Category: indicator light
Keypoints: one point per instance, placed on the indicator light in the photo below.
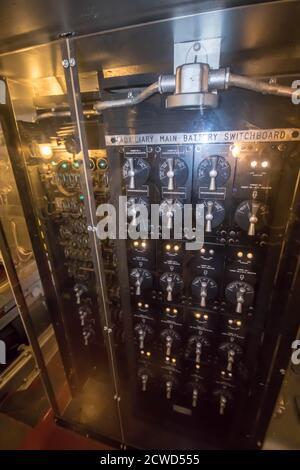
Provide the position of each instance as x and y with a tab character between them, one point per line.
175	311
144	244
239	323
253	164
45	150
265	164
205	317
211	252
140	304
168	247
173	360
235	150
249	255
81	197
146	306
148	353
135	243
176	247
202	251
240	254
102	164
168	310
197	315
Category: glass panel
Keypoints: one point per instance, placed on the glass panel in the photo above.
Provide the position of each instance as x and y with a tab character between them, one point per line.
51	181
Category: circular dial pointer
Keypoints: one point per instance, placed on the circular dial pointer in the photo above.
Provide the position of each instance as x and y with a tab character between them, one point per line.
173	173
135	172
213	172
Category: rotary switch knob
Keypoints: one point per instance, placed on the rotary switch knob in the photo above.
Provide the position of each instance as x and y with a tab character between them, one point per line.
171	339
251	216
168	208
144	377
143	333
170	384
196	345
195	389
204	288
214	214
136	207
171	284
214	172
135	172
141	279
230	352
173	173
224	398
240	294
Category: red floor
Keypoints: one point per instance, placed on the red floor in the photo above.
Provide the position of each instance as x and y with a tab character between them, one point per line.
48	436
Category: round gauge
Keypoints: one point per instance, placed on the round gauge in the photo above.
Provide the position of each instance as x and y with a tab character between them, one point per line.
92	164
240	294
213	172
251	216
141	279
171	283
102	164
135	172
224	349
173	173
214	214
204	288
64	165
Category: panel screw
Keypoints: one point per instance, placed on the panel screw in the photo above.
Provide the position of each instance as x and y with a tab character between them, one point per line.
65	63
72	62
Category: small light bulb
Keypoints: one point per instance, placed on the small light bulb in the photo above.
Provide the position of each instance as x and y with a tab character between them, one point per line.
239	323
46	150
140	304
240	254
253	163
142	352
144	244
173	360
175	311
197	366
146	306
265	164
167	358
135	243
222	373
211	252
205	317
168	247
168	310
176	247
230	322
197	315
148	353
235	150
249	255
202	251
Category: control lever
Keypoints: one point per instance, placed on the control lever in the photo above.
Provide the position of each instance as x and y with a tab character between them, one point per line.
169	387
240	299
138	284
169	342
223	403
198	352
142	335
253	218
203	293
83	314
195	397
169	289
79	289
170	174
213	174
209	216
144	379
131	173
230	360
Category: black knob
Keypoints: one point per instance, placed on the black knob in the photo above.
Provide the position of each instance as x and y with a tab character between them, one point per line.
173	173
240	294
251	216
204	289
141	279
135	172
213	172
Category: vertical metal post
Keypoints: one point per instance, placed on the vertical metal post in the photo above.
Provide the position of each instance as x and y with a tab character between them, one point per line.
69	62
26	319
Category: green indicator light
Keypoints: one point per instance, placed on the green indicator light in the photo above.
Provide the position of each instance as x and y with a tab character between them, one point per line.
81	197
64	166
102	164
76	164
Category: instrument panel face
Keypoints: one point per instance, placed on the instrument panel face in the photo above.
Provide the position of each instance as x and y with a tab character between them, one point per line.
193	311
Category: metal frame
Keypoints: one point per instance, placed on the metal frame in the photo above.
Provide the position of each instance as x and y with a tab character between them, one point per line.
69	62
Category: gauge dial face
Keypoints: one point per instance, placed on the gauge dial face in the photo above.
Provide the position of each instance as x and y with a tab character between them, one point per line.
214	163
234	287
226	347
135	172
174	168
217	211
202	282
171	278
245	209
143	275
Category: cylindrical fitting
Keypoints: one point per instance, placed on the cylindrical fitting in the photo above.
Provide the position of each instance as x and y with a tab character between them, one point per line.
192	78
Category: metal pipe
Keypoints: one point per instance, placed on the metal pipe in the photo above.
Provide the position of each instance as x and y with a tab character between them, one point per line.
259	86
131	100
50	114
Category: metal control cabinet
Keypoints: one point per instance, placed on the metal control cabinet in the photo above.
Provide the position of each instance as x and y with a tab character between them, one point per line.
161	346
